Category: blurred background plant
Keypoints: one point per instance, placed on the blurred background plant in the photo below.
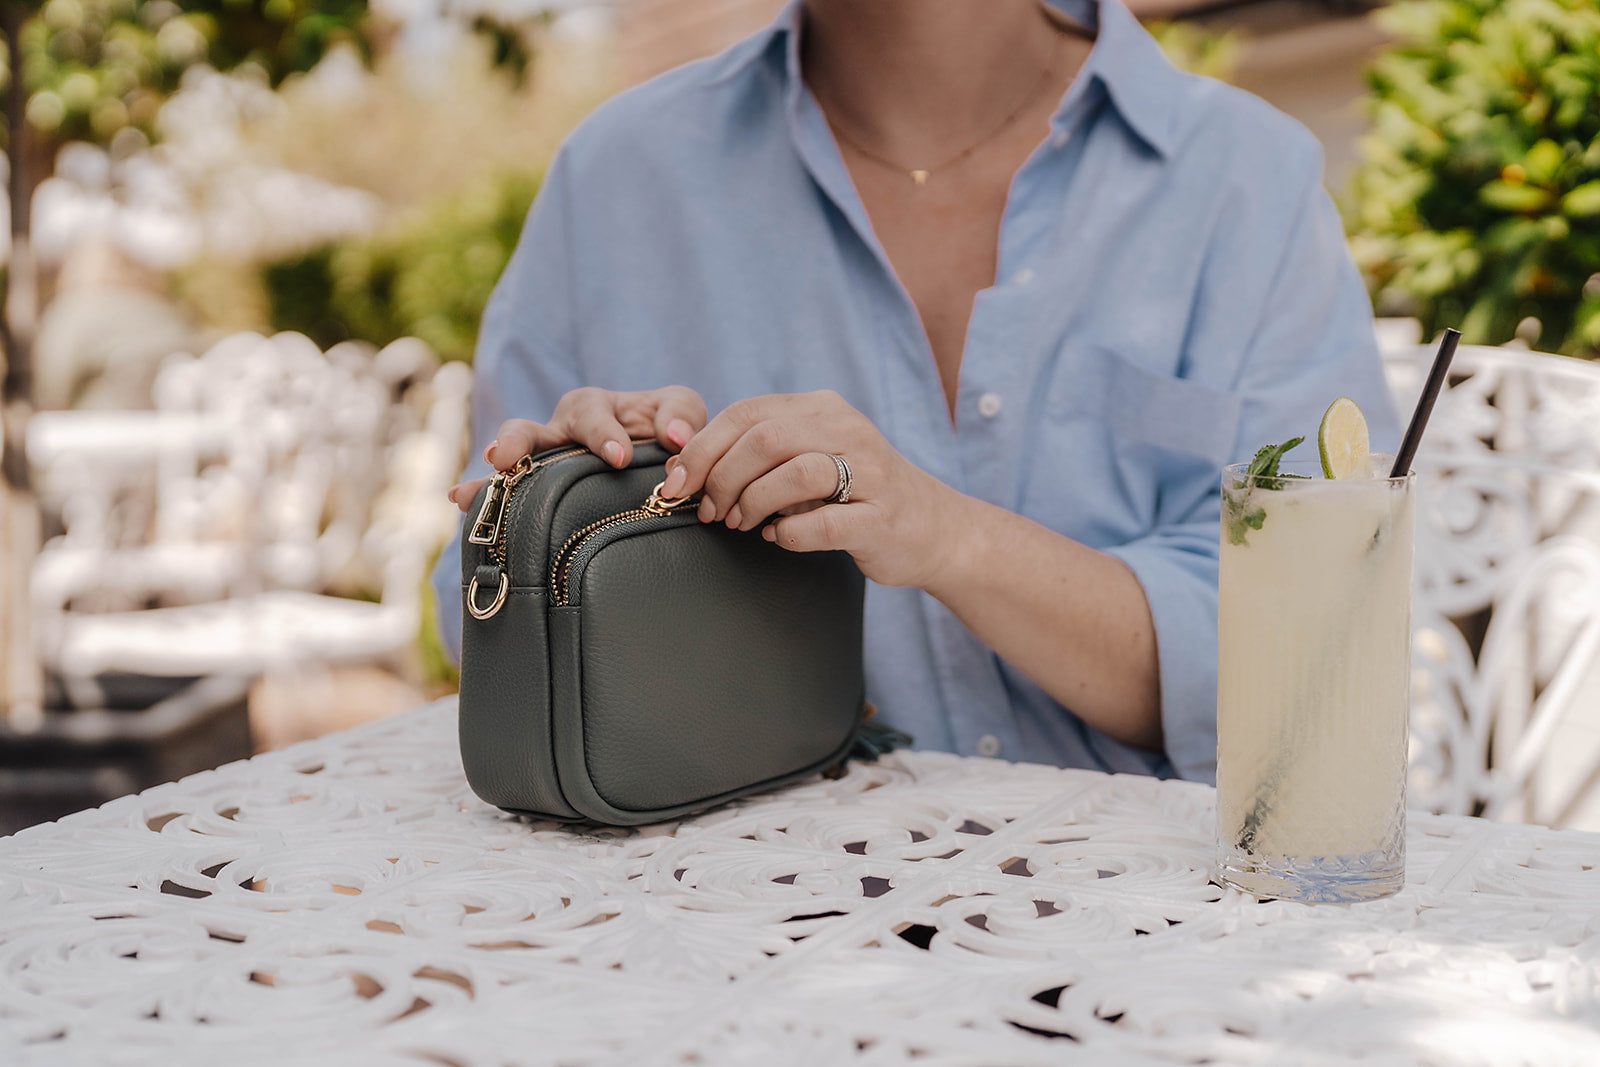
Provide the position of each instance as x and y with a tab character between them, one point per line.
429	276
1191	47
92	68
98	71
1477	203
474	136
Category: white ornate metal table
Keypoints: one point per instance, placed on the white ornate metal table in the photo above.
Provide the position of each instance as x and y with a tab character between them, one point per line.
349	901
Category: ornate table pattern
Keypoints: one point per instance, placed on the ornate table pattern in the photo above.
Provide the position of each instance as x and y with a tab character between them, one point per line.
348	900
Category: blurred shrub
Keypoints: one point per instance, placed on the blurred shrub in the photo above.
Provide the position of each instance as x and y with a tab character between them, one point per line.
429	276
93	67
1197	50
1477	203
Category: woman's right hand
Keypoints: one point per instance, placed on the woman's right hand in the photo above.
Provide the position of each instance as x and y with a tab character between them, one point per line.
600	420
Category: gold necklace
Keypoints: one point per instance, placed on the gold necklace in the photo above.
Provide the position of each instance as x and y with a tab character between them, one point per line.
921	175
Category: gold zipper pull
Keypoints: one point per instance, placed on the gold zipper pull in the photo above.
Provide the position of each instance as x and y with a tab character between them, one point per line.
525	466
656	504
486	527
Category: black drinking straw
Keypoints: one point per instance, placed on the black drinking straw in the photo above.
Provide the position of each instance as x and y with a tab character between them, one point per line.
1430	393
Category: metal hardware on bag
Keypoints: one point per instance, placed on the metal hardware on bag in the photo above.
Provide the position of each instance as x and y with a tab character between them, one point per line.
489	528
656	504
495	606
486	527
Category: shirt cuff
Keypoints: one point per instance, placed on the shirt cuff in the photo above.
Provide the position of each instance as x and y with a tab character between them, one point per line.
1181	588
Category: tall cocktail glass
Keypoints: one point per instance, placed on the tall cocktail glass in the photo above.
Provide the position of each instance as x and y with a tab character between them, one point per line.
1313	684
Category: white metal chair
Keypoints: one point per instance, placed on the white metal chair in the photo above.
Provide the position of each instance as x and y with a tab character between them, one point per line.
1507	606
326	480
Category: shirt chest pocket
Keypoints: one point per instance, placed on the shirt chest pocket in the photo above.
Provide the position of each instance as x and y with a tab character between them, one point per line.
1134	449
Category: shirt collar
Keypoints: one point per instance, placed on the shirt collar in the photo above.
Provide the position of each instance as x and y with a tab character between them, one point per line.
1142	84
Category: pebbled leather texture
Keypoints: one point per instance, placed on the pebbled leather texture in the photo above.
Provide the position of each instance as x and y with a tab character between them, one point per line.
711	662
695	665
505	708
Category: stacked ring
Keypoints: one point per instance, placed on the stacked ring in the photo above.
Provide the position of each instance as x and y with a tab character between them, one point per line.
841	493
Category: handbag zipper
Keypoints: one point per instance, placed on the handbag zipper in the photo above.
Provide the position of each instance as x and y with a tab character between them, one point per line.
489	528
561	568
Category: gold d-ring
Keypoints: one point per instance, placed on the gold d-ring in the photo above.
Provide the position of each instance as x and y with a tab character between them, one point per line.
499	598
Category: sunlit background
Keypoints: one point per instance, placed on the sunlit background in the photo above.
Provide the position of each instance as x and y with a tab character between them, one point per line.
242	307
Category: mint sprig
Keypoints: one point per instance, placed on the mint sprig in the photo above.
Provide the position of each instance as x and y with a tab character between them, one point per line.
1263	470
1238	516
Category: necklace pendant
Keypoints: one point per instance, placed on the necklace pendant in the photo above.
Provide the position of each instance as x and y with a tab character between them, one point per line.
920	177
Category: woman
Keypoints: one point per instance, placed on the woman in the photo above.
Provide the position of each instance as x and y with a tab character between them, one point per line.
1033	284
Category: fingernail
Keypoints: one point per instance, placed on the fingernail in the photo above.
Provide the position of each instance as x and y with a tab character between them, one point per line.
613	453
675	479
679	432
708	510
769	532
488	451
450	494
734	516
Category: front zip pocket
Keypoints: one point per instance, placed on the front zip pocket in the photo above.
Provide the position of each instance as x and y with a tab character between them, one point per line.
582	546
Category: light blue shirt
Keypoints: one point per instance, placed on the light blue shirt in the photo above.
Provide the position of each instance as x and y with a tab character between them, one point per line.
1174	291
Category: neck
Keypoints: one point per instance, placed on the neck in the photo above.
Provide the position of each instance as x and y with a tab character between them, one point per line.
917	75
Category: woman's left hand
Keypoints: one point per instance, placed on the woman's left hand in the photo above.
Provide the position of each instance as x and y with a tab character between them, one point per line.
771	456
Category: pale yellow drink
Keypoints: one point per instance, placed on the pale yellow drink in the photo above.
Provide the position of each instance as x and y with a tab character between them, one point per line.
1313	628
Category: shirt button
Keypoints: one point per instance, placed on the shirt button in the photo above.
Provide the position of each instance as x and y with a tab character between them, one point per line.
989	405
988	745
1023	276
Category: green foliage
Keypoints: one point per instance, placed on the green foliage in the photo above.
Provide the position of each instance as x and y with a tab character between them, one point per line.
1263	467
429	277
1477	204
508	47
1238	517
93	67
1197	50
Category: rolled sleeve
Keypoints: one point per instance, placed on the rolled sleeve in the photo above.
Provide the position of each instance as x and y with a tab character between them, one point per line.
525	359
1178	569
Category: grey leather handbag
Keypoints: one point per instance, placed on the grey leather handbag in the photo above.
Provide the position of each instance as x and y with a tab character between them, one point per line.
623	662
